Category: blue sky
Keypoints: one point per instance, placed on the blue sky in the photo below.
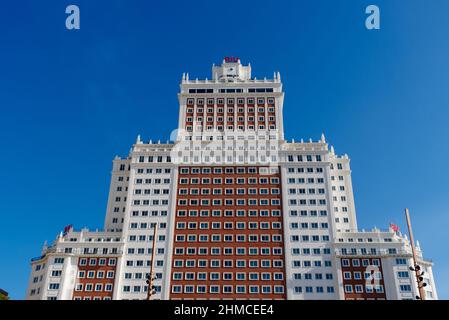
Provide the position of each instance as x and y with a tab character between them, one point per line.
72	100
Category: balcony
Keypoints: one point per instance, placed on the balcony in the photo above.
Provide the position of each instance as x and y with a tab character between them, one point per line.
369	253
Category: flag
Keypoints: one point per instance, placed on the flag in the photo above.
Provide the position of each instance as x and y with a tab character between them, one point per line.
394	227
67	229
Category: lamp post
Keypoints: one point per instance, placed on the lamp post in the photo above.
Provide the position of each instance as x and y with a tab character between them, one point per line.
151	277
416	268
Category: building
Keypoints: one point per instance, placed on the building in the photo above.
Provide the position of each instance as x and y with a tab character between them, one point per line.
4	295
240	213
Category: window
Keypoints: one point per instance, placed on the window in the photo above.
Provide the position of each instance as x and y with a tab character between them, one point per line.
405	288
56	273
227	289
214	289
379	288
53	286
176	289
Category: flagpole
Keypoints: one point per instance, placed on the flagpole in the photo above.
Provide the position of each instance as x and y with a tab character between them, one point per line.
416	268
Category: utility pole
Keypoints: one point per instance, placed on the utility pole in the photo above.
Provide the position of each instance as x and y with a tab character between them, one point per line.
152	276
416	268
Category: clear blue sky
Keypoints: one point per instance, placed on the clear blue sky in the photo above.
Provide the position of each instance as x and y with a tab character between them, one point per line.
71	101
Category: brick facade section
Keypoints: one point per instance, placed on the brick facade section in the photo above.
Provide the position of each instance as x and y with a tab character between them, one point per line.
273	183
365	264
109	266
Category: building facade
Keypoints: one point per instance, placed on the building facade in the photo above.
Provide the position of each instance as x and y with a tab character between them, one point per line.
240	212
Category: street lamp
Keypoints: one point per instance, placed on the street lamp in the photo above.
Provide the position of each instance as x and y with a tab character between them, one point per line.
152	276
416	268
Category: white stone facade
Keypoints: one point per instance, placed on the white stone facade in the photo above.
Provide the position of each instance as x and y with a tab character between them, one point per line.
230	120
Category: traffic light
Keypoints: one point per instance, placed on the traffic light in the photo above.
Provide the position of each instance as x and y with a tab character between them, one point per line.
415	268
150	278
153	289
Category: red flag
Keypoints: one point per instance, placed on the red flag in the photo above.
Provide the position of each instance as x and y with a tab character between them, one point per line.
67	229
394	227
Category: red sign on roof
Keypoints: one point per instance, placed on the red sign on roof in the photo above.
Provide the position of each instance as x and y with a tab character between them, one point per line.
231	59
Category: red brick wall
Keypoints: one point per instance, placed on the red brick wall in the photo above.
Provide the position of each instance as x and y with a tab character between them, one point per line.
236	114
234	219
352	268
84	293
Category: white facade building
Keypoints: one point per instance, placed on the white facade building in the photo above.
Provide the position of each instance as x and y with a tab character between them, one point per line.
241	213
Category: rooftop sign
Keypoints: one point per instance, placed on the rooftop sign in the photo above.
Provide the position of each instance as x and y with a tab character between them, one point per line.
231	59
